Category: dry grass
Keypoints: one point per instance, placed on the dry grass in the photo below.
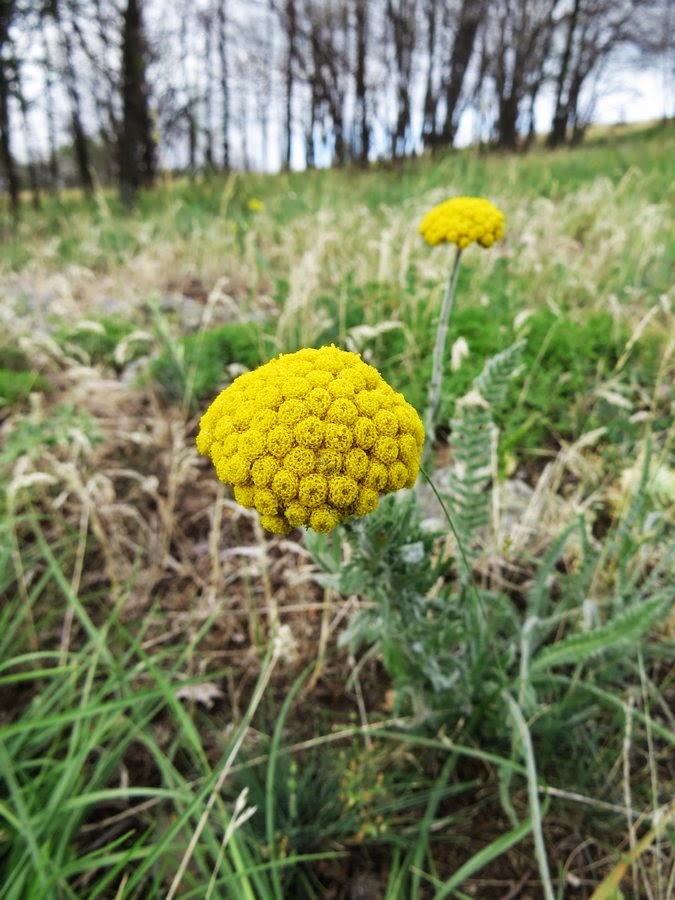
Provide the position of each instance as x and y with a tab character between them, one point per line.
140	524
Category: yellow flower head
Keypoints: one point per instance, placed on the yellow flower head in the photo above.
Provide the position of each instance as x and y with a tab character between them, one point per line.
255	205
462	221
312	438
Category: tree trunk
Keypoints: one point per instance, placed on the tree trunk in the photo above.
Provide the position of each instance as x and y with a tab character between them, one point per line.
192	130
524	38
136	142
224	89
243	121
531	130
8	162
292	37
31	168
189	110
470	17
361	124
559	124
208	94
317	90
402	22
80	146
6	78
578	128
54	173
507	121
310	156
430	98
340	146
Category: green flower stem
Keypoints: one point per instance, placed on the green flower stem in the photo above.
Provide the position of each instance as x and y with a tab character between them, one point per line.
439	351
471	599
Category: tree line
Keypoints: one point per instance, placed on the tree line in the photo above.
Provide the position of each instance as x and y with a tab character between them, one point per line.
113	90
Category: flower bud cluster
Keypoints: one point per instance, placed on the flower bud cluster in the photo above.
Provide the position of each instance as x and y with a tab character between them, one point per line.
312	438
462	221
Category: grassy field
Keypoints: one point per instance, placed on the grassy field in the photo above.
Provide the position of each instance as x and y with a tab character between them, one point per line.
469	693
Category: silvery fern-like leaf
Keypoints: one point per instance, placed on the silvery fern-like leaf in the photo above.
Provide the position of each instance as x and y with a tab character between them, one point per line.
473	445
493	382
622	631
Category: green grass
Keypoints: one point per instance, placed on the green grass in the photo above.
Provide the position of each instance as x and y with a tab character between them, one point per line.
98	340
412	707
16	386
197	363
17	378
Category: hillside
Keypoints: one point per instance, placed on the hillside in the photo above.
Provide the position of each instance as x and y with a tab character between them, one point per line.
467	692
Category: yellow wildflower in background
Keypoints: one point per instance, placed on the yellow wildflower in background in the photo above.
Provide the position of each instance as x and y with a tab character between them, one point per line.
312	438
462	221
255	205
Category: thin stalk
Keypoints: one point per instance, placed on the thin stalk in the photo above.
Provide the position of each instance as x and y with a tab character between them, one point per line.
271	778
609	886
474	606
653	774
533	795
627	793
439	353
530	625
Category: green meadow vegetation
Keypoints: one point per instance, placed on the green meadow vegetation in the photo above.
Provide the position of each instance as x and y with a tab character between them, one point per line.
468	692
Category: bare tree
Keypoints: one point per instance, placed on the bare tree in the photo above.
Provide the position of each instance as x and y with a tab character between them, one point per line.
361	131
312	64
53	9
136	141
654	39
50	112
224	82
291	29
185	117
29	143
347	78
402	18
206	22
452	37
7	79
593	30
561	110
470	18
327	68
432	10
518	40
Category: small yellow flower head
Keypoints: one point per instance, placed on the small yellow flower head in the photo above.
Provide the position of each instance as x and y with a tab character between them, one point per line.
312	438
255	205
462	221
